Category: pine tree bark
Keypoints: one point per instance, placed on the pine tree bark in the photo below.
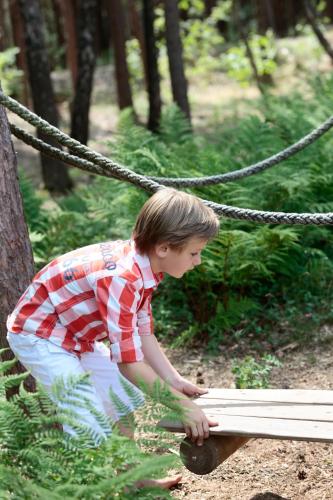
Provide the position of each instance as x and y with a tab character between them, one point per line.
86	32
58	28
6	35
118	31
67	9
55	173
16	260
175	57
153	84
137	32
2	26
19	41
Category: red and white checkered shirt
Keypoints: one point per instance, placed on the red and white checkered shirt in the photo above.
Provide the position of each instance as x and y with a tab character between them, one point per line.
96	292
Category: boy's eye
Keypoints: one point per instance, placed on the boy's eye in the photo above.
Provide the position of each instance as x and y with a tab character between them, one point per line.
194	254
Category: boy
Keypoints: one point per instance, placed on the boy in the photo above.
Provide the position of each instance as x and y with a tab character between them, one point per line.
104	291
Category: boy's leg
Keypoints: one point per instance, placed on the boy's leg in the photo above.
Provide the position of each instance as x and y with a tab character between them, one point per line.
47	362
106	377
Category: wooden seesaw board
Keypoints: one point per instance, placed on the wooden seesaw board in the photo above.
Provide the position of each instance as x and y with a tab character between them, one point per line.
303	415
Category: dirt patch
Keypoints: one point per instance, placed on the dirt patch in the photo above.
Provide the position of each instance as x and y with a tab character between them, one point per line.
265	469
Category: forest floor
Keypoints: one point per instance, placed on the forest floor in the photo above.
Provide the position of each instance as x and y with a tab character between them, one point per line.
266	469
262	469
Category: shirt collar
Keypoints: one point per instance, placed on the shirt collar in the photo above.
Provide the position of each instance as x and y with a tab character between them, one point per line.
150	279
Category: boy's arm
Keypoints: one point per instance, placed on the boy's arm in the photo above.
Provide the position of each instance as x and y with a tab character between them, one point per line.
157	359
196	424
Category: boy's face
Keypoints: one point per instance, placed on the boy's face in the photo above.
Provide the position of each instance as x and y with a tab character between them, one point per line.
176	263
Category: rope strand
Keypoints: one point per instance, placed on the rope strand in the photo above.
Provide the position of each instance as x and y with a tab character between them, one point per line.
210	180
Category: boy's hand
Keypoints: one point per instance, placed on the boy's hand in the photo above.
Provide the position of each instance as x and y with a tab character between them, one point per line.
187	388
196	424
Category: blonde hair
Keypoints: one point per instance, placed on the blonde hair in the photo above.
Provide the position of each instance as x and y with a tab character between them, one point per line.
173	217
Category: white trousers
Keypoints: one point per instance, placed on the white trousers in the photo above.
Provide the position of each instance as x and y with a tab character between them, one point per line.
47	362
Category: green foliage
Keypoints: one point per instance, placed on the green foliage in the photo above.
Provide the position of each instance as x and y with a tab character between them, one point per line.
252	374
37	460
237	64
10	76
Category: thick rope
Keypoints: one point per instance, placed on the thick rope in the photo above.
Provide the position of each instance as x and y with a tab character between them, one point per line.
251	169
123	173
59	154
119	171
186	181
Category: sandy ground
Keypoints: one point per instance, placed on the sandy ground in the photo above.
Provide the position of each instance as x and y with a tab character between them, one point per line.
266	469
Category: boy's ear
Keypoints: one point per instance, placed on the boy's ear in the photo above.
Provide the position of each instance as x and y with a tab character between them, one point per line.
161	250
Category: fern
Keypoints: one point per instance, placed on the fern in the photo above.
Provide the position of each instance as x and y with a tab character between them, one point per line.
37	460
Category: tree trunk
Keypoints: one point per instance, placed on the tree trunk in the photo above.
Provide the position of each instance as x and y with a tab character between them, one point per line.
55	173
265	15
67	9
310	15
19	41
175	56
58	29
118	30
329	10
137	32
16	260
86	30
103	35
3	43
153	84
209	6
6	35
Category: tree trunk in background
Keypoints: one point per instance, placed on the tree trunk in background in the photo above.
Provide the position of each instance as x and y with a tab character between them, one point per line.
3	43
16	260
175	56
279	15
6	38
19	41
67	9
55	173
154	93
329	10
86	31
118	31
137	32
59	29
209	6
265	15
103	35
310	14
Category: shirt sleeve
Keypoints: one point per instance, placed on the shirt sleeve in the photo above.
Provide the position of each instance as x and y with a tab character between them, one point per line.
118	301
145	317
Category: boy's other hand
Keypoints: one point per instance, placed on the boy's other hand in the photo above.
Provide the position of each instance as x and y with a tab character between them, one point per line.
196	423
186	387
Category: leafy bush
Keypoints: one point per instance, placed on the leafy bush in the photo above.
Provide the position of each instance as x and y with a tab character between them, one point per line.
238	66
252	374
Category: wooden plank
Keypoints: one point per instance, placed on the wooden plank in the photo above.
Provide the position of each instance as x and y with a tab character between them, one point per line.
254	427
266	409
305	396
